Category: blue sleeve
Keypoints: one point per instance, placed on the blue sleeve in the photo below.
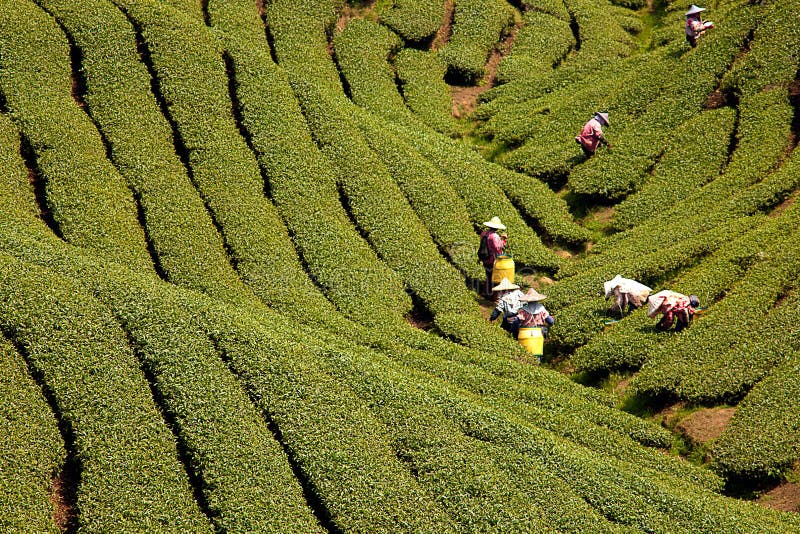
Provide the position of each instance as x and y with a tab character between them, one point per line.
549	320
494	314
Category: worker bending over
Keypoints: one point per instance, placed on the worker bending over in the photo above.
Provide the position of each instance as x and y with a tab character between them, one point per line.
695	26
508	305
492	245
627	293
676	308
532	313
591	135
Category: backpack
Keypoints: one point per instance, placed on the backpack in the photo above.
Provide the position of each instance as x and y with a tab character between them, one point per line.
483	249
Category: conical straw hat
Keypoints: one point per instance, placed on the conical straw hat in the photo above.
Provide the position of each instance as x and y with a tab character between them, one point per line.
505	285
603	116
532	296
494	222
694	9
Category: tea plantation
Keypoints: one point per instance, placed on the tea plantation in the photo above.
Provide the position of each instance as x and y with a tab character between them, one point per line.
239	276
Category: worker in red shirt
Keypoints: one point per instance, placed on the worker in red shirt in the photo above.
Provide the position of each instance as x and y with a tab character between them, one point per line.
676	308
591	135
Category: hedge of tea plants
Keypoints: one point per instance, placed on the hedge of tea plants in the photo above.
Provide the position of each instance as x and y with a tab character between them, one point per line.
478	26
88	199
33	451
188	249
126	457
421	80
413	20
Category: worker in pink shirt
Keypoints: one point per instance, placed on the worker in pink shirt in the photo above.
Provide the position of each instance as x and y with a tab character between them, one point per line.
491	246
592	134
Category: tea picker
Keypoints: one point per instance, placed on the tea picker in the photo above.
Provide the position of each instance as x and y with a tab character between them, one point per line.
676	308
695	26
591	135
491	246
508	304
627	293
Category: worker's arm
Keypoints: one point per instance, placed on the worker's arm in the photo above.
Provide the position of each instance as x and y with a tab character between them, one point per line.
494	315
549	320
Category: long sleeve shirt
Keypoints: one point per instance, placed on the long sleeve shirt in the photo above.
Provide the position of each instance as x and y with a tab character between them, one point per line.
496	245
508	305
591	135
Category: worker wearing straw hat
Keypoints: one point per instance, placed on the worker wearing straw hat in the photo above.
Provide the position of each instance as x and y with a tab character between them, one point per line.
695	26
532	313
492	246
591	135
508	304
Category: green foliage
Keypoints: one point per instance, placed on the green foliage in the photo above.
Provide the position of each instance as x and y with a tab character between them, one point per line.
187	246
88	199
542	42
421	76
129	471
478	26
33	451
686	164
362	52
303	183
186	59
762	438
299	33
413	20
433	199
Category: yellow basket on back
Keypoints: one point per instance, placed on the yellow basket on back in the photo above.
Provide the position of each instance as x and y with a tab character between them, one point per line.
503	268
532	339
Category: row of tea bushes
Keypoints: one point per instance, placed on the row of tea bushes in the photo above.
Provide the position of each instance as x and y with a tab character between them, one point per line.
541	44
343	459
689	375
299	33
88	199
190	73
303	185
686	164
421	79
602	39
478	26
382	212
429	193
363	49
188	249
630	494
33	450
16	191
762	438
413	20
127	463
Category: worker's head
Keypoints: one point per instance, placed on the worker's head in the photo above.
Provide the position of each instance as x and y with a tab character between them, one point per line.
504	287
694	11
601	116
495	224
694	302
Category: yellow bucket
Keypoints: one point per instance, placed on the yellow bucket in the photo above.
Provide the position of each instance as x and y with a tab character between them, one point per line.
532	339
503	268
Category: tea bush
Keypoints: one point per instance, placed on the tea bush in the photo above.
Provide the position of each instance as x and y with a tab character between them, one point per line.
129	471
187	246
421	79
478	26
413	20
33	451
90	202
186	59
762	438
